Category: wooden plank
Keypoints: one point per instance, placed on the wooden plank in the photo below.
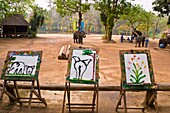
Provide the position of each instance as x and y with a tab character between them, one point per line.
160	87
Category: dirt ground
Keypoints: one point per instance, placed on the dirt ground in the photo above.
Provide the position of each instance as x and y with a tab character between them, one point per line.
53	72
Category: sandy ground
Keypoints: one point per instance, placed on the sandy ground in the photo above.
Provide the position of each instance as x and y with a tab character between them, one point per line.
53	72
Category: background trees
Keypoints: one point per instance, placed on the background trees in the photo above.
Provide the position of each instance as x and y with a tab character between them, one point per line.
9	7
110	11
99	16
163	7
69	7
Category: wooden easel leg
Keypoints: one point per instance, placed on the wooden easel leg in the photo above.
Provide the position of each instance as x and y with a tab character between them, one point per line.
38	86
68	94
2	92
119	101
125	106
97	103
156	103
17	92
150	100
64	98
39	94
94	97
30	98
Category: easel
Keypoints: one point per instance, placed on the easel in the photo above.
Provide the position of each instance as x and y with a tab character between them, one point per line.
15	77
149	88
93	81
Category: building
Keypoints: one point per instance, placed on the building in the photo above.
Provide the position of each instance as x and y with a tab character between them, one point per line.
14	26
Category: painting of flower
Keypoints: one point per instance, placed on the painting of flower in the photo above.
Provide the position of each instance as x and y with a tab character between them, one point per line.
137	70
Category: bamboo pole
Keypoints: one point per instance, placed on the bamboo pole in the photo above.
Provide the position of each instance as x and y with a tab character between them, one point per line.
160	87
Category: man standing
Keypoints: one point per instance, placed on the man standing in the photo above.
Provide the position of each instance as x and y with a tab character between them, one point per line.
121	39
146	41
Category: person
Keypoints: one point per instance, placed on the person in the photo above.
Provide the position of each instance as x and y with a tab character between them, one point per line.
121	39
146	42
128	39
132	38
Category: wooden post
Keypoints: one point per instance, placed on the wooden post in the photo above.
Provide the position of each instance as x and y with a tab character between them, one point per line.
11	90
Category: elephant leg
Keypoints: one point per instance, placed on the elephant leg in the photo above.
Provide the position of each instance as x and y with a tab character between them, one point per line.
136	44
81	41
139	43
143	43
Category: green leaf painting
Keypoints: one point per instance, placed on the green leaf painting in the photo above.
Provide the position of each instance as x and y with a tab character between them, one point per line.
137	71
87	52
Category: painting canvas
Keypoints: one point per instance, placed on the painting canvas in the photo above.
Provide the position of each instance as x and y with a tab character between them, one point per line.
137	70
22	66
83	65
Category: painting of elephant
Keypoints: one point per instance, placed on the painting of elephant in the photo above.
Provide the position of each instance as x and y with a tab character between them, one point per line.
78	36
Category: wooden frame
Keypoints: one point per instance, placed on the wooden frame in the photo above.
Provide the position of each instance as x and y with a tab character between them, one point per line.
72	77
137	82
17	68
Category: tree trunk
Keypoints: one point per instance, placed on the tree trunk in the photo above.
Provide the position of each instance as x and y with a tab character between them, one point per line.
156	26
110	24
80	19
106	31
109	35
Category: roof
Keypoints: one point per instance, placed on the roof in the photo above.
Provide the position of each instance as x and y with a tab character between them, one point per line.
15	20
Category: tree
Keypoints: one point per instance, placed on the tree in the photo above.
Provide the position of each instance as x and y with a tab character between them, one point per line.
134	15
9	7
163	7
110	11
69	7
37	19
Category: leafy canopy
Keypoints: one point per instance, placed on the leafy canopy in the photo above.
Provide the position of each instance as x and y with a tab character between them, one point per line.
69	7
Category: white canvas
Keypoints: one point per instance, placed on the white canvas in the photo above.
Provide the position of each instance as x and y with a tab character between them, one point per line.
83	66
23	65
142	75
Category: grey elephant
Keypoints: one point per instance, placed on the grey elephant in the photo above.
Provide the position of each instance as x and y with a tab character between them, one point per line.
164	41
139	38
78	36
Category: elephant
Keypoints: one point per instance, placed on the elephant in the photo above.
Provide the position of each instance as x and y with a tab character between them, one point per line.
136	33
164	41
139	38
78	36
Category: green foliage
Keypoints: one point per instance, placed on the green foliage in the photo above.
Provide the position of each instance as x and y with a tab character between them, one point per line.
69	7
36	20
10	7
110	10
163	7
134	15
